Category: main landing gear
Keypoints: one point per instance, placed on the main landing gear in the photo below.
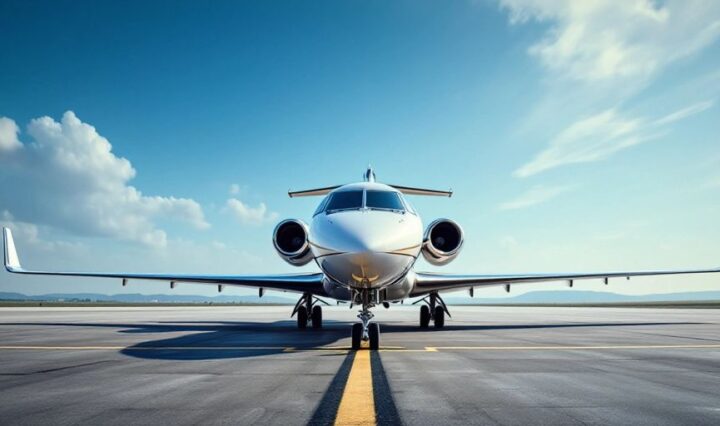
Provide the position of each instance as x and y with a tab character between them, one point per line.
365	330
308	310
434	309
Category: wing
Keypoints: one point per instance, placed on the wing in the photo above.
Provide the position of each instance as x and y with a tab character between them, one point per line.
302	283
428	282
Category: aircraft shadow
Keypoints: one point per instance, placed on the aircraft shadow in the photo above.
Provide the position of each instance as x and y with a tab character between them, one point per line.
203	340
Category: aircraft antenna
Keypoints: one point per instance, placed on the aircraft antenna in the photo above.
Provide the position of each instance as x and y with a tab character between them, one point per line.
369	174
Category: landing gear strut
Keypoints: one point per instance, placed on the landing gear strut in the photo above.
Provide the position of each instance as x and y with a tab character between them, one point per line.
434	309
365	330
308	309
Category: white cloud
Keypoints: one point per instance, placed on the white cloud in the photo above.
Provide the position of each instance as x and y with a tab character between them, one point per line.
599	136
234	189
712	183
250	215
594	40
535	195
684	113
8	135
69	178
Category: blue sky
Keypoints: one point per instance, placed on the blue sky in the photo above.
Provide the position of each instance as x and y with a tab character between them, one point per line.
577	136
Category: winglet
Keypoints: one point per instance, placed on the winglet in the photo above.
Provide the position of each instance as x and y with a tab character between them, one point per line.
12	262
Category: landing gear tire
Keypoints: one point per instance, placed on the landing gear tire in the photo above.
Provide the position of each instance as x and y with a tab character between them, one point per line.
374	335
356	335
302	317
424	316
316	317
439	317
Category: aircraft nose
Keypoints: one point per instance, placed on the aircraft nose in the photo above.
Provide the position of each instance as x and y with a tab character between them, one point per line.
361	232
360	248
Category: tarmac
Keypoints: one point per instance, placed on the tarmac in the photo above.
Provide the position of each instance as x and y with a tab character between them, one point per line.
251	365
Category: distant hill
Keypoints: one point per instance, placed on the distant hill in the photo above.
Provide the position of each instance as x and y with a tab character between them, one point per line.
534	297
144	298
579	297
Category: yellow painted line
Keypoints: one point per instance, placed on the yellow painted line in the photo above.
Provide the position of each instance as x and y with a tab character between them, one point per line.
564	348
357	406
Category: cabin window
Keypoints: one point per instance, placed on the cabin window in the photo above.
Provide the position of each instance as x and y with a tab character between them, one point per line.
384	200
345	200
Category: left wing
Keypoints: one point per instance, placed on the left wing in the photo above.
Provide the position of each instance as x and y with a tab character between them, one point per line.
302	283
428	282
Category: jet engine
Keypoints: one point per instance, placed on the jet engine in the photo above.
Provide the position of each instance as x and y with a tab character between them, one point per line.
290	239
442	242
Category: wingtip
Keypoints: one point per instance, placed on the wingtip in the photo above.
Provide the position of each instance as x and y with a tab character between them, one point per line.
12	262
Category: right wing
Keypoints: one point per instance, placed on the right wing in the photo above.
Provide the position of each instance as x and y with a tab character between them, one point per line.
301	283
427	282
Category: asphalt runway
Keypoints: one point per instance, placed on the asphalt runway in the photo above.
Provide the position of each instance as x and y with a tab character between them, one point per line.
250	365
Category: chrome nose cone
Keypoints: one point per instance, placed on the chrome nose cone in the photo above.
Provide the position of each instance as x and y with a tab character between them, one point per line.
365	248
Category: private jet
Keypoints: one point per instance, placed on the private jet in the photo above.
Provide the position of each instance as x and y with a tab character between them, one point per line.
365	237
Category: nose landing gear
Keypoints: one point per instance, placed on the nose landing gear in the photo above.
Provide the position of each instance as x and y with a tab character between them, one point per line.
366	330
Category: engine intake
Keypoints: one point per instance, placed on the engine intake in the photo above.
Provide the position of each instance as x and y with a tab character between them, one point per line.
443	241
290	239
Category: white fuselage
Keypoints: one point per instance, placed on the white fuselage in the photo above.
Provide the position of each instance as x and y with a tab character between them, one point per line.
366	247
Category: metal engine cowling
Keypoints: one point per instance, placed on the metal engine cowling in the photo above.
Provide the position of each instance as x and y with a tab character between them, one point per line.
290	239
442	242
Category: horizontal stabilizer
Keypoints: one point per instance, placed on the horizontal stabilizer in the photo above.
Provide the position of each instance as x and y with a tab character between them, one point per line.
422	191
312	192
404	189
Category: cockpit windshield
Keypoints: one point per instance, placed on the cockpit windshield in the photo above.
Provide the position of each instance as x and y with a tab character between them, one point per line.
369	199
384	200
345	200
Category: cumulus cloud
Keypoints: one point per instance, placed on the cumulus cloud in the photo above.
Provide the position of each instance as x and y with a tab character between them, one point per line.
595	40
599	136
249	215
534	196
69	178
9	135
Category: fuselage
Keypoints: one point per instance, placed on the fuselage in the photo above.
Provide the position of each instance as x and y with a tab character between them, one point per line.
366	235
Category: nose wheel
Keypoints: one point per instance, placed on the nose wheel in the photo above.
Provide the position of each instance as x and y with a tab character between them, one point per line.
365	331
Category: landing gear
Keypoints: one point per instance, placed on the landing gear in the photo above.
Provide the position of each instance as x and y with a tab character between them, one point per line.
308	309
425	316
302	317
434	309
374	336
365	330
317	316
439	317
356	335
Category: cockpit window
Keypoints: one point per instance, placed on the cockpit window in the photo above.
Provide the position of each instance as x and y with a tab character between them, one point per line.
345	200
321	206
385	200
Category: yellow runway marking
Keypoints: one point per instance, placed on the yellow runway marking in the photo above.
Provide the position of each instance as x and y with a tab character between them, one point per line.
357	406
347	349
564	348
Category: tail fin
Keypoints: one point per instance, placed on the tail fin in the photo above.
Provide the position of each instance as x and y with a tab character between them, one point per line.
12	262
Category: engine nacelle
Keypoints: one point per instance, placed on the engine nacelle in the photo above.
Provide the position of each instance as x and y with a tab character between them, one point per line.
290	239
442	242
